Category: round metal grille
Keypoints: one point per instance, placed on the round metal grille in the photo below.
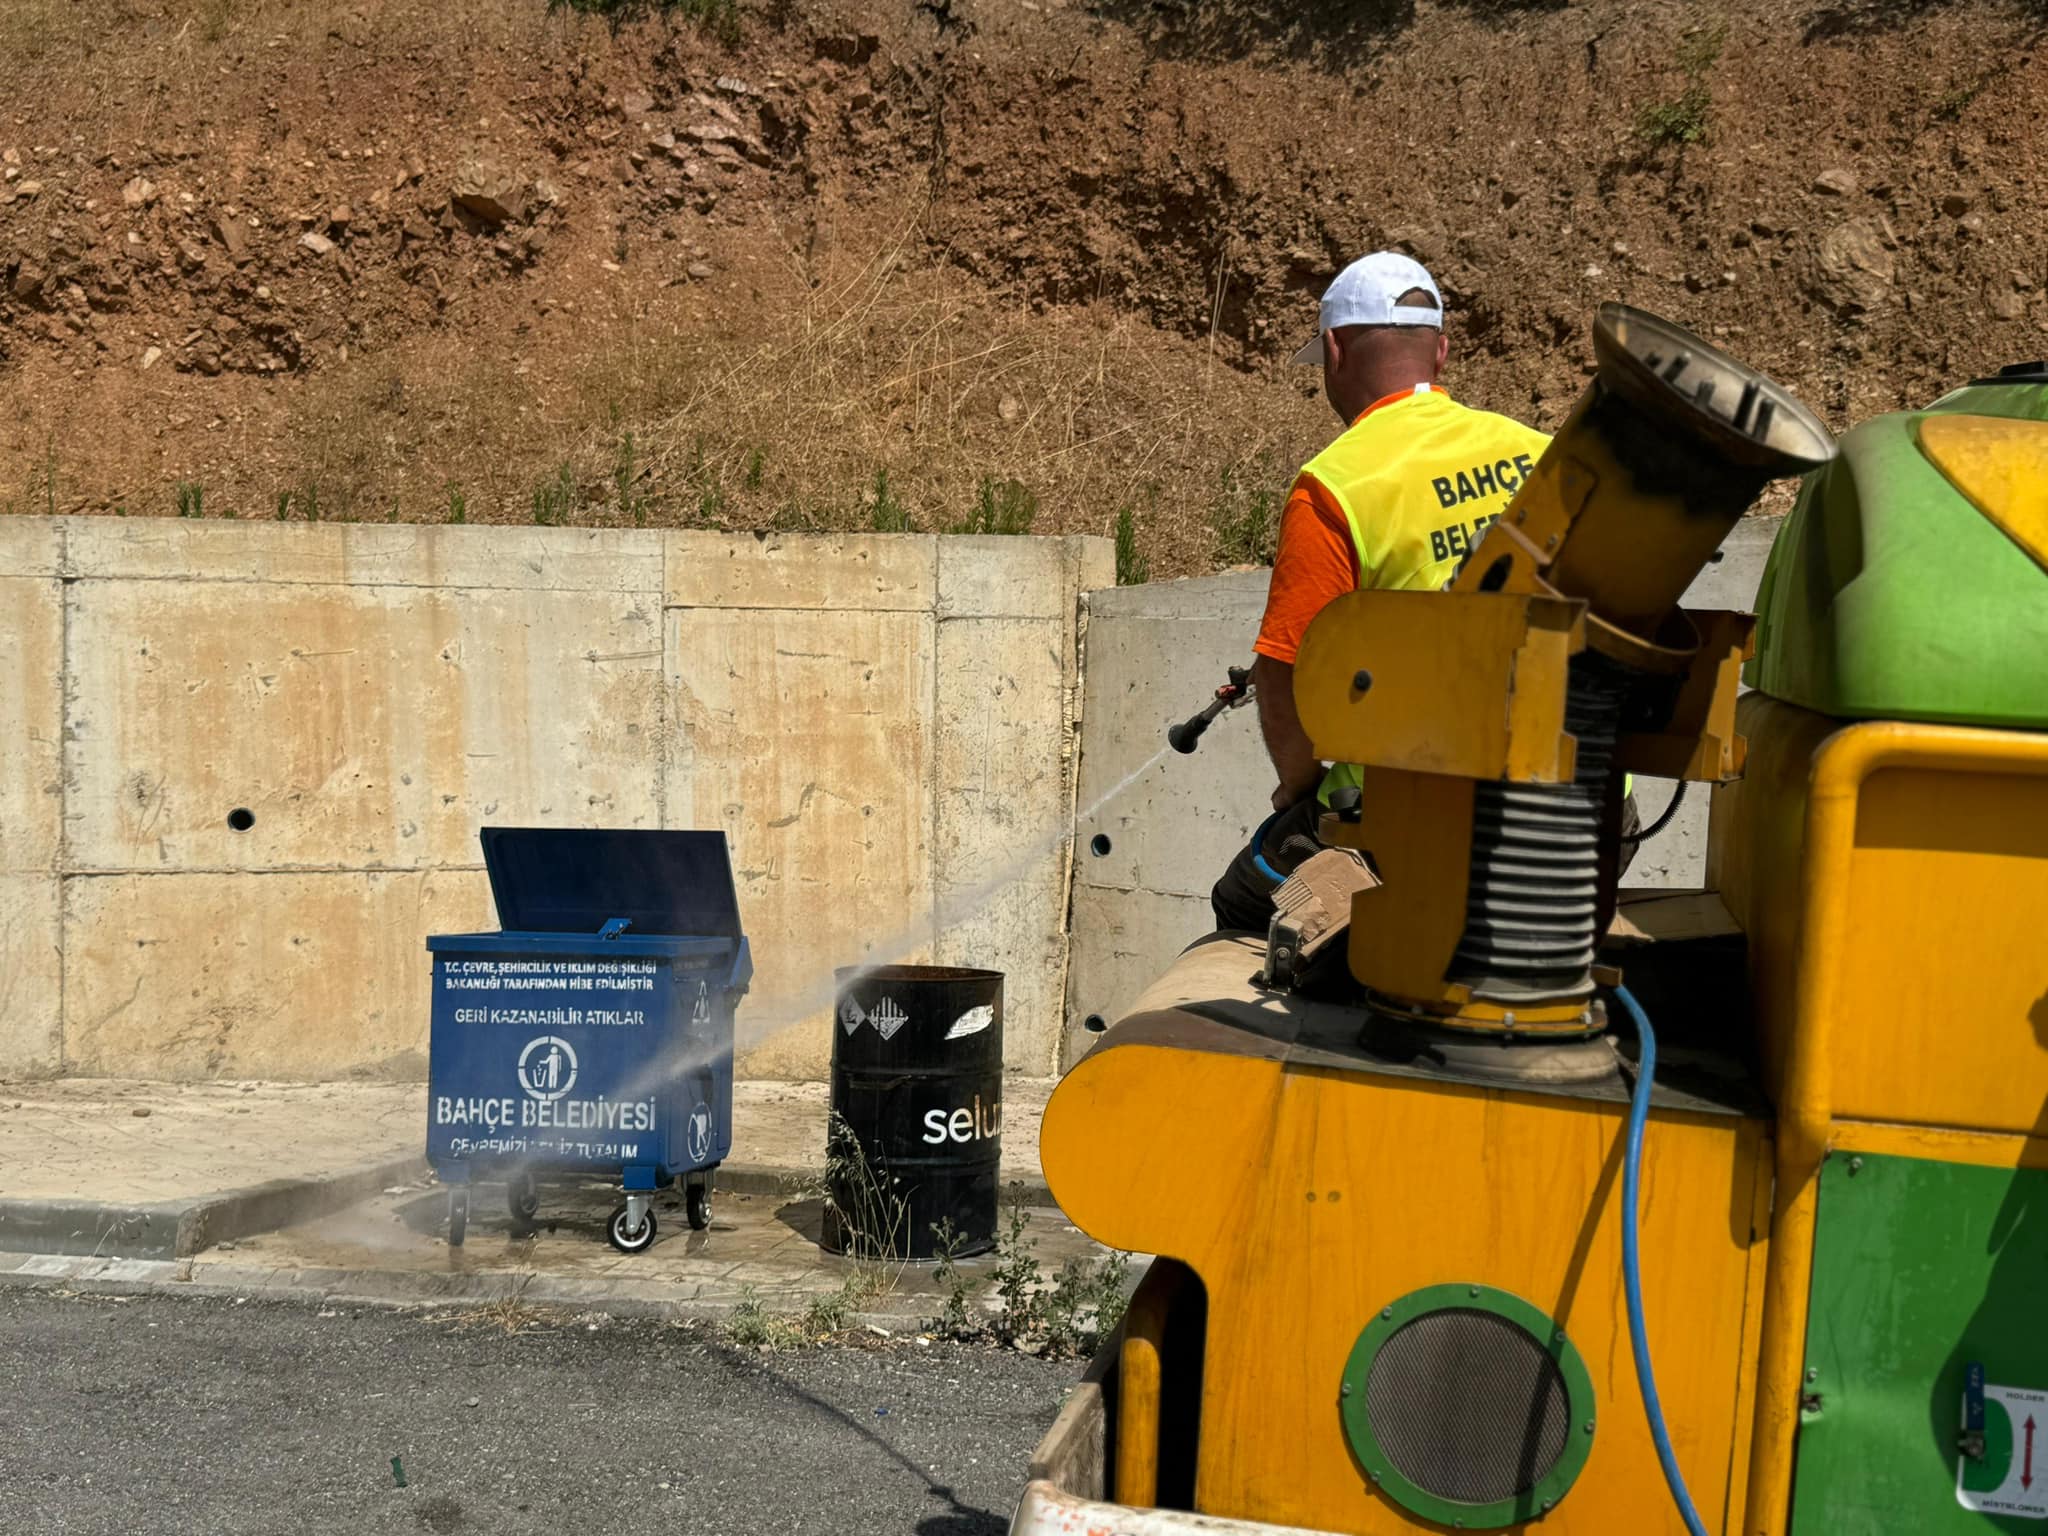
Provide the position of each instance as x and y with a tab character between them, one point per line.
1468	1406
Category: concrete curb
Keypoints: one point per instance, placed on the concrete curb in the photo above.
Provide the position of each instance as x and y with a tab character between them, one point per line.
176	1229
179	1229
775	1179
357	1289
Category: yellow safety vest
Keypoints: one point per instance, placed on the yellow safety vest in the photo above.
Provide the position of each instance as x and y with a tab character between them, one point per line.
1418	478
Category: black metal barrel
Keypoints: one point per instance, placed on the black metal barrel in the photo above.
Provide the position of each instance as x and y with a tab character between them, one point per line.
915	1142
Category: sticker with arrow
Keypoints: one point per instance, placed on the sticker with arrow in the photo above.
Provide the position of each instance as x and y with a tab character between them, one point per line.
2004	1466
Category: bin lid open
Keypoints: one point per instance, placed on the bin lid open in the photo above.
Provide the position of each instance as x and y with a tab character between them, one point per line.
576	879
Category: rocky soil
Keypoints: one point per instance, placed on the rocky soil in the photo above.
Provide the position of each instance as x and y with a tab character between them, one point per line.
828	266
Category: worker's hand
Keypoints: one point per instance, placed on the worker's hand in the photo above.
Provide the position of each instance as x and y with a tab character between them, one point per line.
1287	796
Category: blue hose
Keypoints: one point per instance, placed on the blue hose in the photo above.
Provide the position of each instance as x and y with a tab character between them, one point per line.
1258	850
1631	1259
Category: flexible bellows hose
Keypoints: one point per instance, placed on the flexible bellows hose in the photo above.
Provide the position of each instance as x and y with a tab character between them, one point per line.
1631	1259
1532	894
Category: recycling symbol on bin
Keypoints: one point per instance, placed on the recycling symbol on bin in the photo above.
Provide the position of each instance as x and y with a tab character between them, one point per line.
547	1068
887	1017
699	1129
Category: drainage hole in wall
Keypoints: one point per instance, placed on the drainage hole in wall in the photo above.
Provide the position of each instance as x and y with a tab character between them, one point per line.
1099	845
241	819
1095	1023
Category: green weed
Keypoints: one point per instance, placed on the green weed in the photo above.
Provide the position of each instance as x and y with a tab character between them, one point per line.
1132	568
1000	506
867	1205
757	463
827	1314
1244	516
555	498
1068	1315
710	487
1953	101
886	512
752	1326
305	501
626	480
1684	119
1016	1279
189	498
956	1288
458	504
49	475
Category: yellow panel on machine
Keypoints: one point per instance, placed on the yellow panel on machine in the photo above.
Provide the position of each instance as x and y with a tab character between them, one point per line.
1312	1187
1892	879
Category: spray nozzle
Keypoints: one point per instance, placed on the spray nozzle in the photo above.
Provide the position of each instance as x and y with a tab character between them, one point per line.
1185	736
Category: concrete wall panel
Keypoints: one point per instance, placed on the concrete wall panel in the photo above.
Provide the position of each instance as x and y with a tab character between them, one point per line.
806	736
995	576
373	694
31	546
885	571
362	726
1154	659
31	977
1003	816
1147	848
366	554
31	722
1114	953
238	975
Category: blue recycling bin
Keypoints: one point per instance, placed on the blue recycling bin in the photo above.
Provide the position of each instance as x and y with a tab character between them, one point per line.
592	1037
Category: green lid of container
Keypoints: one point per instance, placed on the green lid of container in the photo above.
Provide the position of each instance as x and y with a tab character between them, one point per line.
1911	580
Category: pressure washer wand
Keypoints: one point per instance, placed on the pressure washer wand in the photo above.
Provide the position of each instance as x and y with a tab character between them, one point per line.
1238	691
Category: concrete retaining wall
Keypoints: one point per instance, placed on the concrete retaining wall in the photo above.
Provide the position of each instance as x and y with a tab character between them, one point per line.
1145	862
878	723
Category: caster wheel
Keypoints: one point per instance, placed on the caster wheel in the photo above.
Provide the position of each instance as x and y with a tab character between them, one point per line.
458	1216
523	1200
697	1206
627	1241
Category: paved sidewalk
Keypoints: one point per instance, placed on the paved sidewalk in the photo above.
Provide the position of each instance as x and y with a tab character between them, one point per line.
391	1250
101	1167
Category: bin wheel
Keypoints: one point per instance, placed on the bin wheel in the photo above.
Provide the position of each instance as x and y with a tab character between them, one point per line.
523	1200
626	1240
697	1206
458	1216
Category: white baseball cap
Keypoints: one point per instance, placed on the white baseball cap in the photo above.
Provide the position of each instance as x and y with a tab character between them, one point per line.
1368	292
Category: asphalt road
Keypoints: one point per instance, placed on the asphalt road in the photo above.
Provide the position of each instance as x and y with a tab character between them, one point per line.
186	1415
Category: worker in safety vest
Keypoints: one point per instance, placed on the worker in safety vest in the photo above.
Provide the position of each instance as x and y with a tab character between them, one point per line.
1396	502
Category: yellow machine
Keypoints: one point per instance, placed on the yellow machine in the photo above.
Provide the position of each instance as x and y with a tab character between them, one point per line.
1418	1249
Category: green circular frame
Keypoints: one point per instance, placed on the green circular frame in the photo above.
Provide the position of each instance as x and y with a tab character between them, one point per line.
1537	1500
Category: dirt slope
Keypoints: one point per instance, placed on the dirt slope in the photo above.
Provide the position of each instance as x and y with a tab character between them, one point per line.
422	261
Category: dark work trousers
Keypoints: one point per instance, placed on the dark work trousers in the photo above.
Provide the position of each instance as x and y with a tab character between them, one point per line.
1243	898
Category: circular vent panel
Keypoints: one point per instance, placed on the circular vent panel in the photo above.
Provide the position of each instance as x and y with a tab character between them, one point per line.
1468	1406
